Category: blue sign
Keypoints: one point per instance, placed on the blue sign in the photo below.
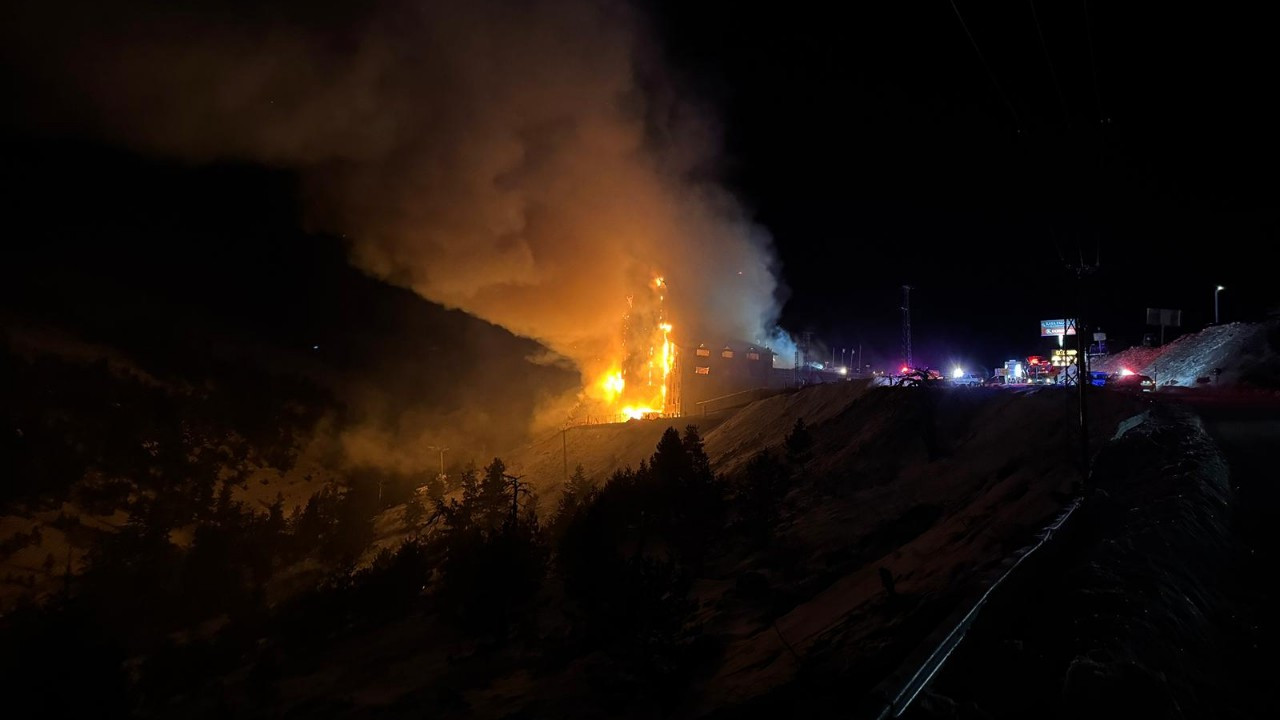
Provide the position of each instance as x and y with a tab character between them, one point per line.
1054	328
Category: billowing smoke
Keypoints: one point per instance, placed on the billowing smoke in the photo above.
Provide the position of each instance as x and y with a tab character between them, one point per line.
526	161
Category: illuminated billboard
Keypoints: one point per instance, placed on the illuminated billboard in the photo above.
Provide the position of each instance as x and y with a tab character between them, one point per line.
1057	328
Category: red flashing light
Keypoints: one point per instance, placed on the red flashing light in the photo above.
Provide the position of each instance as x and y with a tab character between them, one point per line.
905	370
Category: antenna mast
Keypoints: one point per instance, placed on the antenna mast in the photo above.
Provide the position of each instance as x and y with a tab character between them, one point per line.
906	327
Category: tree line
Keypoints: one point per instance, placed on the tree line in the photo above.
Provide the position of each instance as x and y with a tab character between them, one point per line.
615	561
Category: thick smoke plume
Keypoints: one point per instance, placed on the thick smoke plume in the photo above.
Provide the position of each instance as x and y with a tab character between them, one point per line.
525	161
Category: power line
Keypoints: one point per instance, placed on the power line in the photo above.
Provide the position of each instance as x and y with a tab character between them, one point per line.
1093	63
1066	113
906	327
1103	120
1017	122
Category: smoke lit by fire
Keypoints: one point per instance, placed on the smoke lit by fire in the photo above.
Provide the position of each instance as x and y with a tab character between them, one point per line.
529	163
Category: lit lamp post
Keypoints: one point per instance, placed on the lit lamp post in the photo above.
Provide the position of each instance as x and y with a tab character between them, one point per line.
1215	303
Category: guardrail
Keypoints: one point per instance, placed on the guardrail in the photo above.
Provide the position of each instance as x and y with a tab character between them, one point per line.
908	689
900	700
744	396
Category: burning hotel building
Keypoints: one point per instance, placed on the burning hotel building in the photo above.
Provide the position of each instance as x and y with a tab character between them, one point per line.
710	372
654	375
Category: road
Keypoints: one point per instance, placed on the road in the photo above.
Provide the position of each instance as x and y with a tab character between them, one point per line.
1247	429
1188	591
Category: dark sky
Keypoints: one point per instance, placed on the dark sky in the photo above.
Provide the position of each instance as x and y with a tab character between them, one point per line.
875	145
879	149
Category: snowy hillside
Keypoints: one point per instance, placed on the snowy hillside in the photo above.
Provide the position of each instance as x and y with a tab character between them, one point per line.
1191	359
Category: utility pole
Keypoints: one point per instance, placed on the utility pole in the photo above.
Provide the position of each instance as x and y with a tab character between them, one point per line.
66	576
803	349
1082	271
516	488
442	450
906	327
1215	304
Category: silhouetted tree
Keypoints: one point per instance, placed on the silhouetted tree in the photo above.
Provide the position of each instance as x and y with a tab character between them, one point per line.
223	506
353	529
578	492
765	482
492	565
434	488
275	517
413	512
263	681
494	503
799	443
628	557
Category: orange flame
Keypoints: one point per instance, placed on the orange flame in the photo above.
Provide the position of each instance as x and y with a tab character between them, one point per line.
636	383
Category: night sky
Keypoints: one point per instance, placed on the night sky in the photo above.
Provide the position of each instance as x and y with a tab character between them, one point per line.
873	143
878	148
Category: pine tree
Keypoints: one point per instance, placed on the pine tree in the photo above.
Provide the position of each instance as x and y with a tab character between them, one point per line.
275	516
494	500
582	487
799	443
764	484
578	492
223	505
670	460
413	512
699	463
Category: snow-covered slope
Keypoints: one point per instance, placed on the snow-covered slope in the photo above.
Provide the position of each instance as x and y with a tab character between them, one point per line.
731	437
1192	358
936	487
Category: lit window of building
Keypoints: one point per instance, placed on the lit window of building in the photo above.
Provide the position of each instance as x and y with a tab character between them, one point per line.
702	370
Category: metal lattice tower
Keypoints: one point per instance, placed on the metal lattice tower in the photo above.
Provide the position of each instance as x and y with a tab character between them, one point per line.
906	326
803	353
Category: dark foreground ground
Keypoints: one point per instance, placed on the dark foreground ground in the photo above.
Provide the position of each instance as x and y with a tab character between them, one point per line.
1158	602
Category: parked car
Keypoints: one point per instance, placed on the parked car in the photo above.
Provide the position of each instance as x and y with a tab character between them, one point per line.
969	380
1131	381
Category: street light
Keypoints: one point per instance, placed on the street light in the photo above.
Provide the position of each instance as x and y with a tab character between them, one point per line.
1215	303
442	450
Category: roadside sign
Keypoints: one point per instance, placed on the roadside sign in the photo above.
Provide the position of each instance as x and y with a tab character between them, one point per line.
1057	328
1164	317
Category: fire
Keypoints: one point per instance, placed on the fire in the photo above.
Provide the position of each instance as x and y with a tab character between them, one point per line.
639	413
613	385
637	384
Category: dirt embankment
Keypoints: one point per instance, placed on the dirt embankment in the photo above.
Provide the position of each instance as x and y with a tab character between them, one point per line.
1125	615
935	487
